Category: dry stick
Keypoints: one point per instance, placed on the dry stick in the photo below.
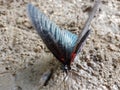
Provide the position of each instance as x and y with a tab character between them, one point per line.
88	22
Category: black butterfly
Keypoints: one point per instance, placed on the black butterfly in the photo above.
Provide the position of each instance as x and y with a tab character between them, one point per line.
63	44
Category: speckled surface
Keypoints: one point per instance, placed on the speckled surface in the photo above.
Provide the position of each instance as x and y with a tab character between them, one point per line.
24	57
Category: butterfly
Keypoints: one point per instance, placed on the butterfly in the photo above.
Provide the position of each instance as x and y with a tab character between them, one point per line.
64	44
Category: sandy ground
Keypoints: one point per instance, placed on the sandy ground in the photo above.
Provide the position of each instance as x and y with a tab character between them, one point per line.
24	57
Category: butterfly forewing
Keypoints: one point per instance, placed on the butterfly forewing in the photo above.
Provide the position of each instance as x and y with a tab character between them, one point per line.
40	23
59	42
85	32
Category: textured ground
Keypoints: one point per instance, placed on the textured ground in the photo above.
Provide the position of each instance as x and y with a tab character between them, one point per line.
24	57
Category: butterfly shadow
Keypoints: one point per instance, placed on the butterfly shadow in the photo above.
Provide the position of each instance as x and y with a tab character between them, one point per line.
35	75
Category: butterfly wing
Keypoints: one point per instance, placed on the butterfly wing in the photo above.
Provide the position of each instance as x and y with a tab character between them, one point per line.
79	45
59	42
85	32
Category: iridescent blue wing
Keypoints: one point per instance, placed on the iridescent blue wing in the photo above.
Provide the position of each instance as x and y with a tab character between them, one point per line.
59	42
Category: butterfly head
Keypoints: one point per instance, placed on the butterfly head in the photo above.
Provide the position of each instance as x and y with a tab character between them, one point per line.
66	68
